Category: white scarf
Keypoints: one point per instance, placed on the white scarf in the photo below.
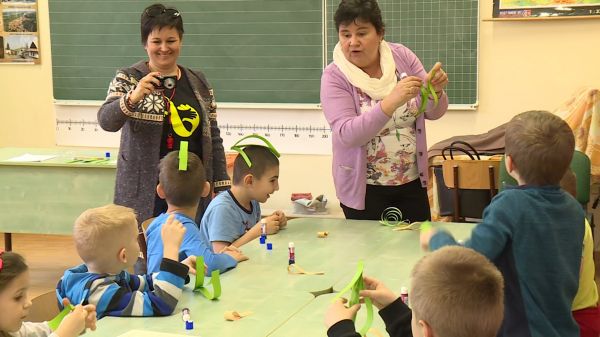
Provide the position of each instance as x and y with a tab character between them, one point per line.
376	88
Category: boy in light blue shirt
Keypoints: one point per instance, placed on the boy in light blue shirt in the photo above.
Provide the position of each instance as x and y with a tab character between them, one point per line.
231	218
183	189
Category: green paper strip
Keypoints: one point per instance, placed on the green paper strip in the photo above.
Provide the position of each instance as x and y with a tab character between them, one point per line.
348	287
215	280
425	226
355	286
183	155
426	91
55	322
365	328
88	161
243	154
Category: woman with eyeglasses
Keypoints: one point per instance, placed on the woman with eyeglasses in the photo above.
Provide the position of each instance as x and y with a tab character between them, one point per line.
371	97
157	104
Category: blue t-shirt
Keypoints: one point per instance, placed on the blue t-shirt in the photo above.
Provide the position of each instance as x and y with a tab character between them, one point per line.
192	245
226	220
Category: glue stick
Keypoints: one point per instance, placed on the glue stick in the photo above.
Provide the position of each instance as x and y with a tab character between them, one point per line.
263	227
404	295
291	249
263	231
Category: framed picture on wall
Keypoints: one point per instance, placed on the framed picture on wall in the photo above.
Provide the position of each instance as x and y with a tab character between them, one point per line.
19	33
545	8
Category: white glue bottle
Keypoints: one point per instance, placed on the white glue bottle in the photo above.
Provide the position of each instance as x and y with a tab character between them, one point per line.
404	295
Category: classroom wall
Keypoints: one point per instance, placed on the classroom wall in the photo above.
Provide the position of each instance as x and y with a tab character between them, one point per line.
26	94
523	65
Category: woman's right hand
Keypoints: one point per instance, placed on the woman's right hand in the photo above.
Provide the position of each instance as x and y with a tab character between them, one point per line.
144	87
405	90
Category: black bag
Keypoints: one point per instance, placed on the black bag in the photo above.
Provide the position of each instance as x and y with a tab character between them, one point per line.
472	201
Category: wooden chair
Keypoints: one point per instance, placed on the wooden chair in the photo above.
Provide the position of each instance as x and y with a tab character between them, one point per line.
43	308
474	185
142	237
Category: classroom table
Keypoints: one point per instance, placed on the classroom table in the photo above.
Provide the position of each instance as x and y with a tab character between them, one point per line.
46	197
284	304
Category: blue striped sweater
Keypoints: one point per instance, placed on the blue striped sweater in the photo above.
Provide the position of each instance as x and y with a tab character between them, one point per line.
125	294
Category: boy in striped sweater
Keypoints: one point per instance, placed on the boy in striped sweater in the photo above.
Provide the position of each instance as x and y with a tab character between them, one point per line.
106	240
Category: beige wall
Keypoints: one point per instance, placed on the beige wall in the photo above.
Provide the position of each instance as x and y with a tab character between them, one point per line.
26	92
523	65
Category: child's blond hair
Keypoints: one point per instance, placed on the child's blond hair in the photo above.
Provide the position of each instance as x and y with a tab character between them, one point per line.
100	232
458	292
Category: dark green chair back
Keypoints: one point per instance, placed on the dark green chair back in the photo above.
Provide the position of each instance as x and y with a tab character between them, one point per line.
581	166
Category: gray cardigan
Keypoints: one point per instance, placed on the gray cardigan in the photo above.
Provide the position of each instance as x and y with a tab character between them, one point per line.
141	133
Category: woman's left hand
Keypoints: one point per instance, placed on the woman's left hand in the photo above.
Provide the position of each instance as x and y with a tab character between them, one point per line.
439	80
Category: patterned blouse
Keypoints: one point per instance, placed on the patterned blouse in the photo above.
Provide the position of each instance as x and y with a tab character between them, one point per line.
391	155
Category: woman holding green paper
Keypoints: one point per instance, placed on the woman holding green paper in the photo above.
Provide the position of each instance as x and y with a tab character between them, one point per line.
376	97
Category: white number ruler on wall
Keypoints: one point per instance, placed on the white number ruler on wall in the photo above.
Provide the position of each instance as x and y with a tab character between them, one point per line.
292	130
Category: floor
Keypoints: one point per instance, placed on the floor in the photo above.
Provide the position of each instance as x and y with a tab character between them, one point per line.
48	256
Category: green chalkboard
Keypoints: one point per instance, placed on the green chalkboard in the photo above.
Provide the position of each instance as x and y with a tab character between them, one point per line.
251	51
436	30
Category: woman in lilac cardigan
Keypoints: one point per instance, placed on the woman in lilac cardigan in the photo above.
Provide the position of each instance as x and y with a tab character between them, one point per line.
370	95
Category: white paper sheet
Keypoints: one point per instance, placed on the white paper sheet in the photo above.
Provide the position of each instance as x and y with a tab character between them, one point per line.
30	158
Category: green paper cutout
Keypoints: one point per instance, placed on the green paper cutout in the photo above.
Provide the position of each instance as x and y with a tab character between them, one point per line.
55	322
183	155
355	286
240	148
88	160
426	91
215	280
425	226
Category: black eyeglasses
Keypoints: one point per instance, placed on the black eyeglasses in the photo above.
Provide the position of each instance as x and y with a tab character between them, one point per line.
157	11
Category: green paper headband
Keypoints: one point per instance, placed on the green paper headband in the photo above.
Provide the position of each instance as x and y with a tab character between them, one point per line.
240	147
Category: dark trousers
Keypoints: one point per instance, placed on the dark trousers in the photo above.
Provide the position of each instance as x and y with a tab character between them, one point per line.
411	199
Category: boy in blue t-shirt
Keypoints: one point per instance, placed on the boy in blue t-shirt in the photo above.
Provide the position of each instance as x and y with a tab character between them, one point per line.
532	232
183	189
231	217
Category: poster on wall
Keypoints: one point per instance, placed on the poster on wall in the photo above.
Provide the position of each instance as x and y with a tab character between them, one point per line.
19	35
546	8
